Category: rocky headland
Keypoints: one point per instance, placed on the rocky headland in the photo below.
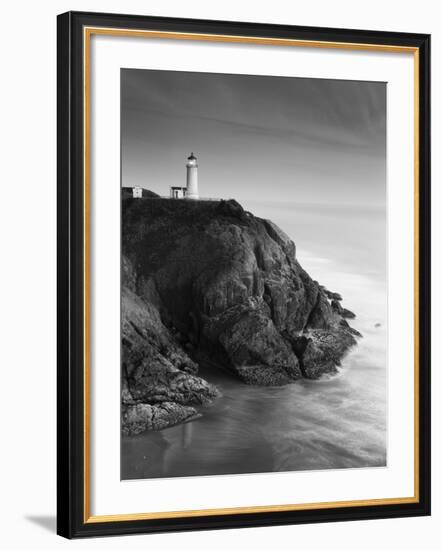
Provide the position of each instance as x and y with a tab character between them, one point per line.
209	283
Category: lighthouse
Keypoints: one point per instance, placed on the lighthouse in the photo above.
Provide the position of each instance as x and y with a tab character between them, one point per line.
192	178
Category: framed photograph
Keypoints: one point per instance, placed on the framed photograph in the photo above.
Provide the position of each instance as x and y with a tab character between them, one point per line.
243	274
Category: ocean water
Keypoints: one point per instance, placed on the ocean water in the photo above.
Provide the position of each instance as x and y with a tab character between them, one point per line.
336	422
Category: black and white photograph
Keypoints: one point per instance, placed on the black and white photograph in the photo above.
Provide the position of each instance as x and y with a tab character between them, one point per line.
221	275
254	300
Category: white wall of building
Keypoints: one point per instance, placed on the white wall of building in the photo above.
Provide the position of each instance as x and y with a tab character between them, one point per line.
192	179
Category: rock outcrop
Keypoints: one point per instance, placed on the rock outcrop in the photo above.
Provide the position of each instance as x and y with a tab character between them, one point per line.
159	382
207	282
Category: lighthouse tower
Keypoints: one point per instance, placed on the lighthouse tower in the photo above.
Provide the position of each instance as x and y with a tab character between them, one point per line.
192	177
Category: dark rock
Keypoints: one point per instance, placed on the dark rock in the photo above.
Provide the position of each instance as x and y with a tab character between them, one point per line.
321	316
263	376
155	371
325	350
206	279
141	417
336	306
230	208
343	323
251	339
347	314
332	295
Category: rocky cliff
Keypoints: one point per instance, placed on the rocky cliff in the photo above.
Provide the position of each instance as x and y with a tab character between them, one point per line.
207	282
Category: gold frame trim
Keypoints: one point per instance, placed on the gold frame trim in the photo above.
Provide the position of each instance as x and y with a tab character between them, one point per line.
87	34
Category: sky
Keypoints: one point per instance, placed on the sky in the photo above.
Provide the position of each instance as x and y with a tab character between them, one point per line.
257	138
309	154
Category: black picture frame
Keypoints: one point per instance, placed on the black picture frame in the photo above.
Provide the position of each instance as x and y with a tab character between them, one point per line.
71	391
